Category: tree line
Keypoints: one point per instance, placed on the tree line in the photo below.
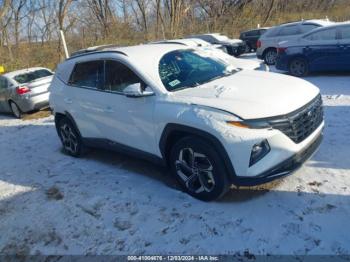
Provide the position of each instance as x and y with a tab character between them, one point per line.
29	29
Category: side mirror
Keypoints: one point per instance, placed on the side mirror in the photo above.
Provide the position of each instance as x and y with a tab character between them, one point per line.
135	90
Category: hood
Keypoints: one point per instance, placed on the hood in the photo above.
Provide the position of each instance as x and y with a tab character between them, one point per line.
252	94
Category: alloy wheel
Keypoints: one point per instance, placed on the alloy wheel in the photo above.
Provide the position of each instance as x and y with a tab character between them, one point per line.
270	57
195	170
69	139
298	67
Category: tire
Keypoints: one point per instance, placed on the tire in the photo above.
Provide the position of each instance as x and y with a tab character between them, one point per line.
298	67
70	138
270	56
199	169
248	48
16	111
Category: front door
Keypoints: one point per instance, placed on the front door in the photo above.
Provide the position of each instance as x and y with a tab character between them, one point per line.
130	119
322	50
344	45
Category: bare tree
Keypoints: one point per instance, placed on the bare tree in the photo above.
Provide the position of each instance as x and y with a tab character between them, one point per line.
102	11
17	7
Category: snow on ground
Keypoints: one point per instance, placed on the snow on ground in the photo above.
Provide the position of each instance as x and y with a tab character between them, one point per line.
107	203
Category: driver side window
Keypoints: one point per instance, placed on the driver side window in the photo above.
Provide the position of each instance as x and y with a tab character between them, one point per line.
118	77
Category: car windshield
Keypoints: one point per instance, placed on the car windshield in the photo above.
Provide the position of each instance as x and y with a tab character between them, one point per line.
31	76
187	68
221	37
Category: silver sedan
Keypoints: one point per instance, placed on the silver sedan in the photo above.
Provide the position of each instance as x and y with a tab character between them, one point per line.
25	90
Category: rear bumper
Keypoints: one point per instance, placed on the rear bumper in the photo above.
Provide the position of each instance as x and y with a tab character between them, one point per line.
235	50
29	103
282	169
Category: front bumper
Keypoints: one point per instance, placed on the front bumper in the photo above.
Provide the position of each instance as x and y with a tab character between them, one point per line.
282	169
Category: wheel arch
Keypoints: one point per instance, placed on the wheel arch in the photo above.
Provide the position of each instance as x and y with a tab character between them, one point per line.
13	101
59	116
173	132
297	56
268	49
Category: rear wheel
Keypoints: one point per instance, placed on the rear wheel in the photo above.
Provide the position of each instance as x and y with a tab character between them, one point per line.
270	57
70	138
248	48
199	169
298	67
16	111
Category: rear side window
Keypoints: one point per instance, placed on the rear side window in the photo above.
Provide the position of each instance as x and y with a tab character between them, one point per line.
3	83
262	31
88	74
32	76
329	34
307	28
119	76
252	33
289	30
345	32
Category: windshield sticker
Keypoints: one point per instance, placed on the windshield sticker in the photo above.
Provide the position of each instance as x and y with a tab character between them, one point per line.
174	83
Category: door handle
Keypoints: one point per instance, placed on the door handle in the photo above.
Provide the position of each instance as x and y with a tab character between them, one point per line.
68	101
109	110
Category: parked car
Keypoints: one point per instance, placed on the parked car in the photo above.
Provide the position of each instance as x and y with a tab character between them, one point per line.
251	37
215	51
324	49
25	90
268	42
234	47
212	125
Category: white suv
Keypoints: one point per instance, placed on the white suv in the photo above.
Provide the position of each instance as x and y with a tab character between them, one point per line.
212	124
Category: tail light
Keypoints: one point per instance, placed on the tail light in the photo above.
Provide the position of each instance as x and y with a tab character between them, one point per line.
258	44
281	50
22	90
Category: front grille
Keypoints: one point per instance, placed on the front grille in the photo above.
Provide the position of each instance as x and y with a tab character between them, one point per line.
301	123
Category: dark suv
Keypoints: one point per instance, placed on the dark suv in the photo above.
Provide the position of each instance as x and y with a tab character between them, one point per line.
251	37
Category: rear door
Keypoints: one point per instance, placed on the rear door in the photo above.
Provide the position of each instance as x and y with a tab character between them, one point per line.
344	45
322	50
85	97
4	94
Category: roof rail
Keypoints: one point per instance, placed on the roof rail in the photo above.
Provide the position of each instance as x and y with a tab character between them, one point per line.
171	42
93	49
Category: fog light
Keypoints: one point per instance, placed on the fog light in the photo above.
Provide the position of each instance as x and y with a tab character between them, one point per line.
259	150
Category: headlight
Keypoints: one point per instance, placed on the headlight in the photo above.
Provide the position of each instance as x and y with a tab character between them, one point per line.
254	124
259	151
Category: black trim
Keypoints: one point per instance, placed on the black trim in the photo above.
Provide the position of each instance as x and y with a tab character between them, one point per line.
123	149
172	128
283	169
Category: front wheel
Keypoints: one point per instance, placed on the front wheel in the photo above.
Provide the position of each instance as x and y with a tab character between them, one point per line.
270	57
70	138
199	169
298	67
